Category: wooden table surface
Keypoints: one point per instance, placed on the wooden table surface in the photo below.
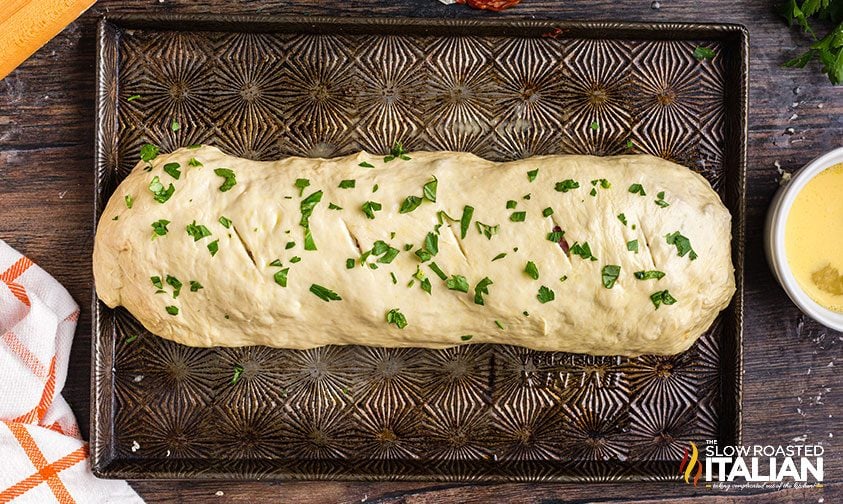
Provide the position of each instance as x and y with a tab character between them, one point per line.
792	389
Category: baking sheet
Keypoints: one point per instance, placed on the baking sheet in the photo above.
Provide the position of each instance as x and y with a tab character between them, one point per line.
264	88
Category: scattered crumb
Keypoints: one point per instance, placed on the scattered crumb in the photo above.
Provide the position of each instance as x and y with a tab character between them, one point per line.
138	378
794	104
655	5
800	439
789	131
797	90
62	194
135	446
821	500
819	105
168	453
365	498
219	493
793	117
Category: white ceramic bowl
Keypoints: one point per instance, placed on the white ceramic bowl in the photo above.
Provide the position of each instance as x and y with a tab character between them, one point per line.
774	247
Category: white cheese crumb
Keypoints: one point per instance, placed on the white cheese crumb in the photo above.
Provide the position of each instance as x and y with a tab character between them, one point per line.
135	446
138	378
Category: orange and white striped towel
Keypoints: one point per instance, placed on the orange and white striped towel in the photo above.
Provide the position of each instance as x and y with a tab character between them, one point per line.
44	458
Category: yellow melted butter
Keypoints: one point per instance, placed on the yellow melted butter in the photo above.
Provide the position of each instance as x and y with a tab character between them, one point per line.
814	238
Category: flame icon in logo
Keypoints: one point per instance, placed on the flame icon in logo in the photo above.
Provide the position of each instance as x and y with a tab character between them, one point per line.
691	461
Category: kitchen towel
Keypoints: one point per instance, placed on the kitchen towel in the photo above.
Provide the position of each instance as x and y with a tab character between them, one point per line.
44	458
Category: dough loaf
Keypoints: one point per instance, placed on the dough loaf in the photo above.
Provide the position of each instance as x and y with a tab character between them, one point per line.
242	243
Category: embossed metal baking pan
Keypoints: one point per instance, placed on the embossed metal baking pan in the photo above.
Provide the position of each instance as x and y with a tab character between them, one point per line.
264	88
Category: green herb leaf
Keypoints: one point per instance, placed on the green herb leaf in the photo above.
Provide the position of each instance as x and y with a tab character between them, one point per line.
324	293
159	227
583	250
214	247
197	232
629	144
466	337
195	286
632	246
531	270
397	151
281	277
481	288
649	275
277	263
425	285
662	297
238	372
172	310
130	200
500	326
593	192
622	218
682	243
532	174
175	126
133	97
637	189
394	316
610	274
660	200
230	180
518	216
156	282
547	212
348	184
545	295
457	283
175	284
306	206
429	190
194	162
148	152
441	274
567	185
499	256
526	196
302	183
364	164
410	203
131	338
370	207
555	236
431	243
703	53
289	245
332	206
595	126
160	194
511	204
465	220
563	278
487	230
295	259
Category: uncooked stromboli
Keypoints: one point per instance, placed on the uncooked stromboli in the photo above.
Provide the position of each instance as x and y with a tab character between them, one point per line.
622	255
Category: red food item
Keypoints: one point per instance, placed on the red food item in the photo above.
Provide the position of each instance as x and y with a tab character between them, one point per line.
562	241
492	5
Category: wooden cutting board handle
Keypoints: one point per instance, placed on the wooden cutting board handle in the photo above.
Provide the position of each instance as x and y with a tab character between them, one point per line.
26	25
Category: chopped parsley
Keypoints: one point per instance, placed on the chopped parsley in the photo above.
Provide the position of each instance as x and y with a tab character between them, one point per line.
637	189
130	200
131	338
214	247
295	259
349	263
518	216
660	200
225	221
148	152
457	283
289	245
604	184
593	192
408	247
194	146
409	204
238	372
276	262
441	274
133	97
487	230
394	280
230	180
632	246
172	169
465	220
511	204
159	227
156	282
175	126
531	270
683	244
526	196
622	218
302	184
348	184
281	277
194	162
306	206
595	126
547	212
499	256
364	164
545	295
567	185
195	286
332	206
563	278
662	297
175	284
466	337
500	326
481	288
324	293
704	53
394	316
649	275
429	190
610	274
197	232
583	250
555	236
431	243
160	194
370	207
532	174
375	188
397	151
629	143
172	310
